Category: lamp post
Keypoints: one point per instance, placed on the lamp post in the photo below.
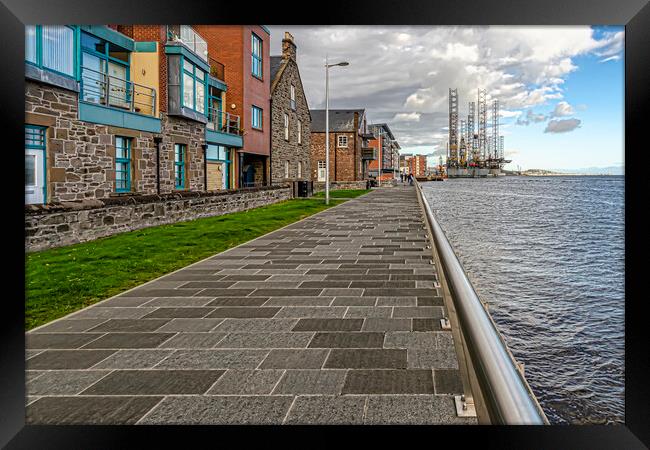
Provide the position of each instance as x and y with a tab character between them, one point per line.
327	128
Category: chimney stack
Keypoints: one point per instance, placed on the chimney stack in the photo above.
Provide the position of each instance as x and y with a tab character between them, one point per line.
288	47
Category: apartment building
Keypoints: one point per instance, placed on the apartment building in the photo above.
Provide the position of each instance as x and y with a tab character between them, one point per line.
383	136
114	110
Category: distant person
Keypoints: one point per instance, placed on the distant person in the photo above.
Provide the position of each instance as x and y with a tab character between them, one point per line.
410	179
401	177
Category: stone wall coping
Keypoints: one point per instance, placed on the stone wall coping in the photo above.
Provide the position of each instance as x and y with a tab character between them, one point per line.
130	199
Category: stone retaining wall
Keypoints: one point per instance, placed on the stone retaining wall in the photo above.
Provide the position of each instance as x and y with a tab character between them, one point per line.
65	223
335	185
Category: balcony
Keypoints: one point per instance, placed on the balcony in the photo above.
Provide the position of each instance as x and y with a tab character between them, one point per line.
186	35
106	90
223	128
368	153
217	70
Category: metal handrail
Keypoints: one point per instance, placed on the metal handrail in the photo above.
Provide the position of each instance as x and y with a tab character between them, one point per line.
103	89
508	398
190	38
223	122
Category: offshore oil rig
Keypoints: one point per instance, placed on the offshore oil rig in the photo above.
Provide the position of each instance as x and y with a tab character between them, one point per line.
474	154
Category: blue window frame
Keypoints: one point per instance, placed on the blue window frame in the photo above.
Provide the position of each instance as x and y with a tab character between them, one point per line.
105	72
256	117
256	47
35	140
51	47
193	86
179	165
122	164
220	154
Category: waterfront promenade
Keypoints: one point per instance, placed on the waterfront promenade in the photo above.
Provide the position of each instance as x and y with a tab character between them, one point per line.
333	319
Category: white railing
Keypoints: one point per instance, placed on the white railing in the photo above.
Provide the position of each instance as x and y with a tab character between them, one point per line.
223	122
190	38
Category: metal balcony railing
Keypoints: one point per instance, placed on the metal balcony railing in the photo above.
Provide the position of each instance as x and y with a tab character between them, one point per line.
190	38
217	70
223	122
103	89
507	396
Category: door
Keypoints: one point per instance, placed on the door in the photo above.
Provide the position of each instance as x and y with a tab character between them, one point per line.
34	176
216	176
118	92
321	171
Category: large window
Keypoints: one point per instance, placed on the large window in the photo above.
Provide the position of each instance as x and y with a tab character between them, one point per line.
122	164
343	141
286	127
194	87
105	72
179	165
35	190
256	119
292	102
50	47
256	46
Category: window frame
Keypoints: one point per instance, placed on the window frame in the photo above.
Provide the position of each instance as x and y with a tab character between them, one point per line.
204	82
338	141
299	131
286	168
180	164
257	57
286	127
38	49
299	174
107	58
127	161
226	162
292	97
43	147
261	117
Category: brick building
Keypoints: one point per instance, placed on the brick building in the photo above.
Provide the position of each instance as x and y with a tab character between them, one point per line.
290	118
244	51
121	110
348	135
418	165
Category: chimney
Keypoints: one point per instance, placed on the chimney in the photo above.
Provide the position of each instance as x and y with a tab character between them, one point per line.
288	47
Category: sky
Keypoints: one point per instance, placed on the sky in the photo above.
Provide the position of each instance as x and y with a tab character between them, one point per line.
561	88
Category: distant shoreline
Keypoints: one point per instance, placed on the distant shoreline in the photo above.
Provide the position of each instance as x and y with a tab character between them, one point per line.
567	175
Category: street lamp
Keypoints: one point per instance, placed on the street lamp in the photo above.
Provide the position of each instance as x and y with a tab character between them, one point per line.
327	128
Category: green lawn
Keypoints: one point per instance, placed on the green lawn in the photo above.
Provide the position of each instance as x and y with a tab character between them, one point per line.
62	280
343	193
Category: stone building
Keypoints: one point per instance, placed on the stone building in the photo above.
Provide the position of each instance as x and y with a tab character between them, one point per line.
347	135
290	118
122	110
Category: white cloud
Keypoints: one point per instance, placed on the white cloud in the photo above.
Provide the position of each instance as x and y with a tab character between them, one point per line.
407	117
562	126
562	109
396	72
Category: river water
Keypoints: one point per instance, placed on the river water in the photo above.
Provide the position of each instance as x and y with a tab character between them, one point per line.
547	254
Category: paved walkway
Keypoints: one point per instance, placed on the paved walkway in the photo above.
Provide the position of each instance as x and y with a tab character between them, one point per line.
333	319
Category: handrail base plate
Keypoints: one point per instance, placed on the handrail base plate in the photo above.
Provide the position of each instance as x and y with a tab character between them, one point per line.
464	408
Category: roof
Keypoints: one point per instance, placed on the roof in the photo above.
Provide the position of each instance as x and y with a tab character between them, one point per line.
340	119
276	63
385	127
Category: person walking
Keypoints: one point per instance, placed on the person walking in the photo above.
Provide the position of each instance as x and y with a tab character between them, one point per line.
410	179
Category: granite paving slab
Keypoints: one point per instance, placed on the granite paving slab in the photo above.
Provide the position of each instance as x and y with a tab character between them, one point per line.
331	320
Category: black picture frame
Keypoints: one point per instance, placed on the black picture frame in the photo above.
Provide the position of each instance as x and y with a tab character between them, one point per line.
634	14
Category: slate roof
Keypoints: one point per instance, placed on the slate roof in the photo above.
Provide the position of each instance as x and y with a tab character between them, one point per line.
276	63
340	120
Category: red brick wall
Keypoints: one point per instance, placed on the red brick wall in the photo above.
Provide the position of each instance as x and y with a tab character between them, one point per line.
342	160
231	46
418	165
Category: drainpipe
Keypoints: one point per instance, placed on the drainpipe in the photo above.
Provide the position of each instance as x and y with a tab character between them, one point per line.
205	166
271	143
157	140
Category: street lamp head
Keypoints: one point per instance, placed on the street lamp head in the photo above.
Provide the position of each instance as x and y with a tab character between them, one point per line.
343	63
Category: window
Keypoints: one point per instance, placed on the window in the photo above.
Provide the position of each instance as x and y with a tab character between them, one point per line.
218	158
35	177
299	132
286	127
179	165
299	169
50	47
293	97
256	121
105	66
286	169
342	141
194	87
122	164
256	46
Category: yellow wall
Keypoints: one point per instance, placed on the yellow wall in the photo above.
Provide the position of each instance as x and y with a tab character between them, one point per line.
145	71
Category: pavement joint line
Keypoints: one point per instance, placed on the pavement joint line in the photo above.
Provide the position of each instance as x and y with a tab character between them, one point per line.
284	373
194	263
289	410
151	409
92	384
